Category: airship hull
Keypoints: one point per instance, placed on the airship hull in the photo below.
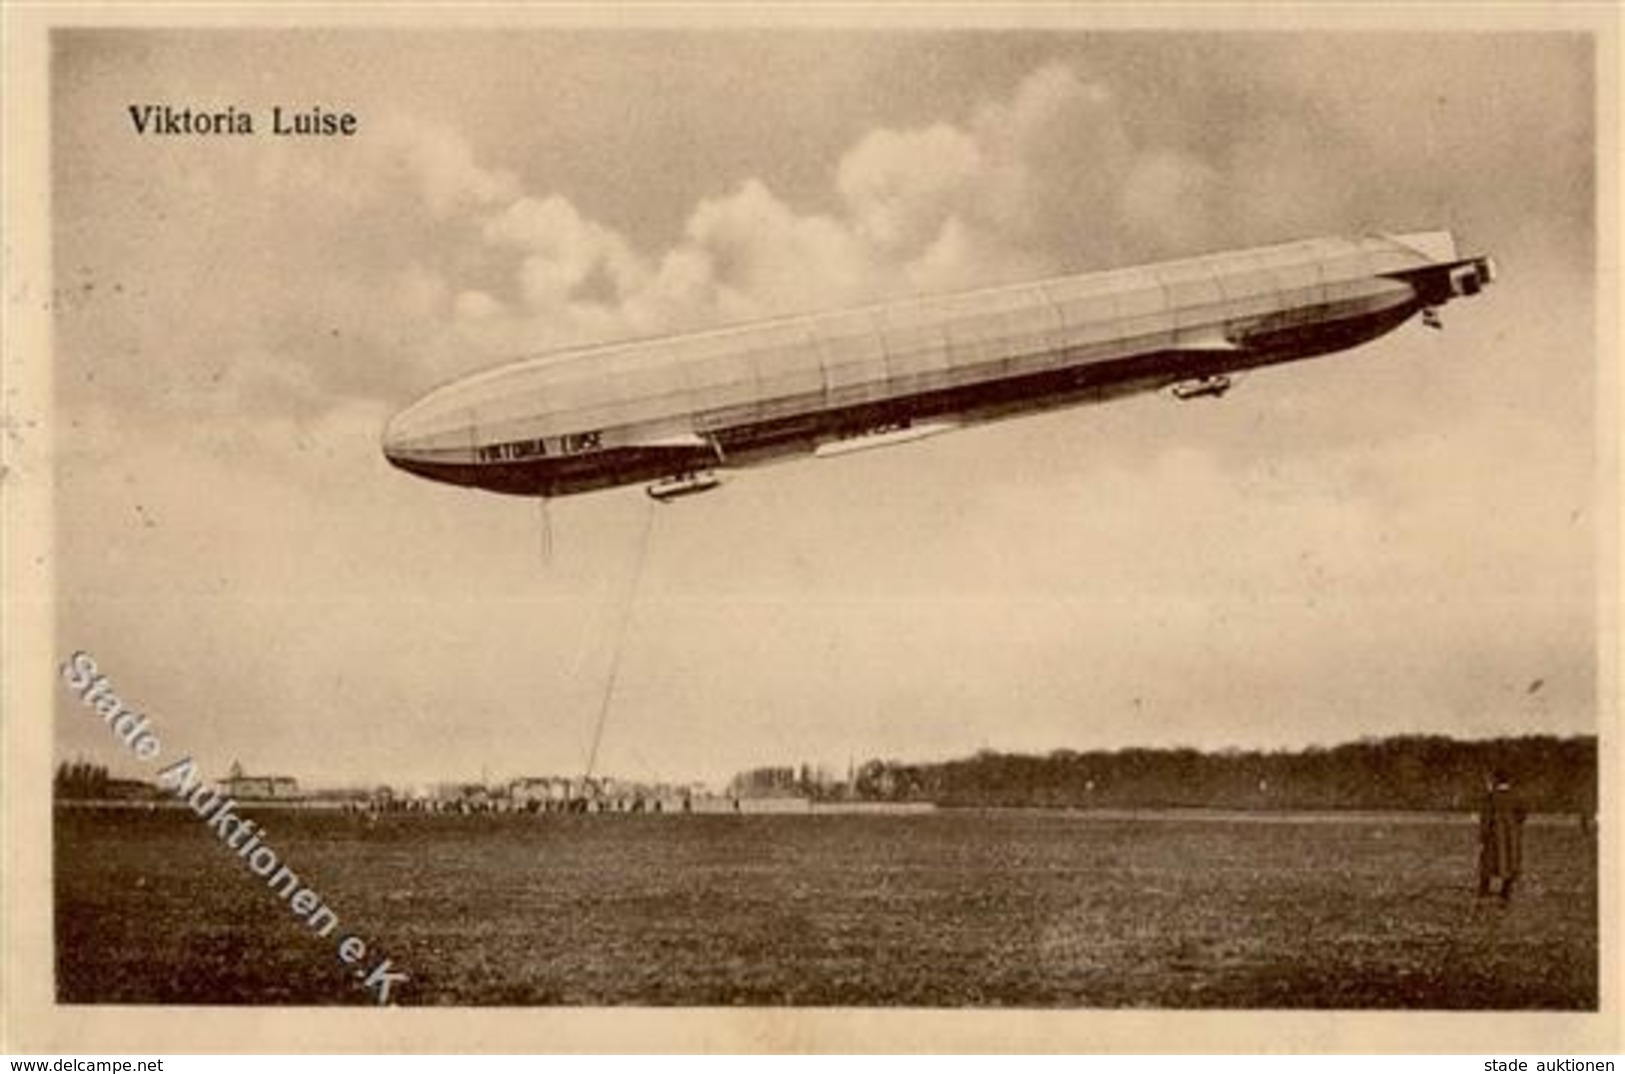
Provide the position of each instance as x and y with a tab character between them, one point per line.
650	409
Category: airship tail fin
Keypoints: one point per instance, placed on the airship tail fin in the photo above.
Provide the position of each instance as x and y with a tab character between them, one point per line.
1433	245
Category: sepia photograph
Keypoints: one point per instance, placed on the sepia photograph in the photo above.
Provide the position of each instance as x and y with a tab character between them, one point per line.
676	514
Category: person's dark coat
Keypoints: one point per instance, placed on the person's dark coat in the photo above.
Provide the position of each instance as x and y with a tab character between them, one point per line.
1500	835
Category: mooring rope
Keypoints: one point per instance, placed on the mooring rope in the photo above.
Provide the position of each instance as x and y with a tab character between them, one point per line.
620	638
544	519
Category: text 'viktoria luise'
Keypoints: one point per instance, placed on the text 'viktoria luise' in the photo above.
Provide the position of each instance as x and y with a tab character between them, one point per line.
163	119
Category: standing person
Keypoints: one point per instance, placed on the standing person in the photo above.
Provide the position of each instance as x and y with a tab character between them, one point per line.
1500	836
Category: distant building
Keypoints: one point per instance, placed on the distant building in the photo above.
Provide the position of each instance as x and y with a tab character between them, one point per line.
778	781
132	790
472	793
241	786
540	789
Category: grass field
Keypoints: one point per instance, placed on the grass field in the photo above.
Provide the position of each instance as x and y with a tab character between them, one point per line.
940	909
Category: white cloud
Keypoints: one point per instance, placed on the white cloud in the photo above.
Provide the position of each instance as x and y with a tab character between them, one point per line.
901	186
962	256
443	165
563	252
1018	189
775	259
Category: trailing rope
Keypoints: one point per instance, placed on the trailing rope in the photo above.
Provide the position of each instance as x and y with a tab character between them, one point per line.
544	519
620	637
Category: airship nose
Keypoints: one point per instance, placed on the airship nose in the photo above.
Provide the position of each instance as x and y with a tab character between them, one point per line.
427	429
396	436
428	439
393	440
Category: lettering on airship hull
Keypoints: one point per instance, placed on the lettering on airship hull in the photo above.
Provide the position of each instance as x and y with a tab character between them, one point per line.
648	410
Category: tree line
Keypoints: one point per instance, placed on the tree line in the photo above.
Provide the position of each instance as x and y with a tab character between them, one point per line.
80	779
1413	772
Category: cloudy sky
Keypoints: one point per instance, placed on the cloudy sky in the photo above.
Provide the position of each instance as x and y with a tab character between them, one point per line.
1396	539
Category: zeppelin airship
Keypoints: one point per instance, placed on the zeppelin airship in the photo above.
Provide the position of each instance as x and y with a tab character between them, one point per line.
674	410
